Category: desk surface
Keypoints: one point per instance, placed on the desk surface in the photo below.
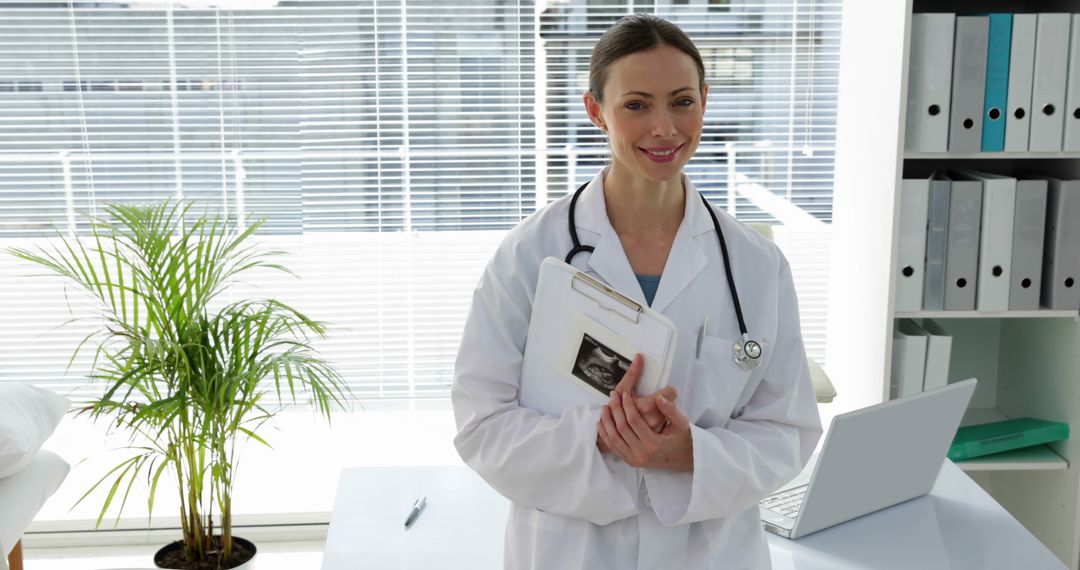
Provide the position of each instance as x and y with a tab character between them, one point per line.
956	526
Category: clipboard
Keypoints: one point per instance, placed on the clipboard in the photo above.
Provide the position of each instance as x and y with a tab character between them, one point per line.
583	335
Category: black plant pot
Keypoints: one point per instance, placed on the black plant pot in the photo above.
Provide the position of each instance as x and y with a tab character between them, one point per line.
241	561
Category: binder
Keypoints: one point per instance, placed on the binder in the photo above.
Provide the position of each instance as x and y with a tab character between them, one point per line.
938	353
969	83
1072	90
995	240
1029	221
1061	251
996	437
997	82
909	358
1048	82
929	82
1021	67
582	337
962	250
937	240
911	254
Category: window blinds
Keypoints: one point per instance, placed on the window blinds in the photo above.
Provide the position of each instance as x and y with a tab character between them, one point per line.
388	146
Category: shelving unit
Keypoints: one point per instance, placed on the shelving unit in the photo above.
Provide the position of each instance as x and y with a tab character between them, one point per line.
1027	362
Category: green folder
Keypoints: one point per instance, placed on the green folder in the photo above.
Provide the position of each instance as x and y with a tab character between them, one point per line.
995	437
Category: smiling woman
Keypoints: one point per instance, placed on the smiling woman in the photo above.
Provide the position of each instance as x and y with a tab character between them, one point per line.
642	481
652	106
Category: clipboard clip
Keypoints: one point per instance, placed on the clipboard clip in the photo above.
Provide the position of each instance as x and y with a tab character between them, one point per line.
608	298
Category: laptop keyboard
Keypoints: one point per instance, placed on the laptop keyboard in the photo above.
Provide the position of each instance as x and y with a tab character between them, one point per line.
787	503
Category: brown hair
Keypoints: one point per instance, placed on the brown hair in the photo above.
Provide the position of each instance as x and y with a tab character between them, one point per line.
633	34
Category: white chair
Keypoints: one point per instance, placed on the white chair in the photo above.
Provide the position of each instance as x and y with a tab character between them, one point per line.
21	496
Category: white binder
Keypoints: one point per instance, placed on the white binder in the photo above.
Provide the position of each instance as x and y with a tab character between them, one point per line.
583	335
995	240
909	359
929	82
969	83
1048	82
938	353
1061	254
1021	67
1029	221
1072	90
962	251
911	254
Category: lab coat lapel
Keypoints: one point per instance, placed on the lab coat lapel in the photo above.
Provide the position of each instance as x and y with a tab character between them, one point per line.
686	259
608	260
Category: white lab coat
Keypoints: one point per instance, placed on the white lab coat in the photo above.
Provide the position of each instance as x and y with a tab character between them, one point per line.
573	507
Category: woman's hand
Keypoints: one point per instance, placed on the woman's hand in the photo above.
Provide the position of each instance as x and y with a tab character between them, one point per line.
646	405
624	431
650	412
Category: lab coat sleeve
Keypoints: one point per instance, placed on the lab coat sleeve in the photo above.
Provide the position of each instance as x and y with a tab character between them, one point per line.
761	448
543	462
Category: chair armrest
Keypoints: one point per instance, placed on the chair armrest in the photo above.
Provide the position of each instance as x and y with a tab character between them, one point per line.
823	388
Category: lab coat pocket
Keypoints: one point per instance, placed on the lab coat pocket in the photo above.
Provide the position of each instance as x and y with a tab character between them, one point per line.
532	532
719	387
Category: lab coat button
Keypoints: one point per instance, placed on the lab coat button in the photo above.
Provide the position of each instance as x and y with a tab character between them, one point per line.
647	500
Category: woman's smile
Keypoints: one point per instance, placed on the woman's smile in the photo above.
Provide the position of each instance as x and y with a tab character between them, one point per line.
663	153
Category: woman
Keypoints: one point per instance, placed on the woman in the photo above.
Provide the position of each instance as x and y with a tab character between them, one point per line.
666	480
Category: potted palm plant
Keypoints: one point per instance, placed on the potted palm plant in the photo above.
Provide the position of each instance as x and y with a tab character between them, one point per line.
186	373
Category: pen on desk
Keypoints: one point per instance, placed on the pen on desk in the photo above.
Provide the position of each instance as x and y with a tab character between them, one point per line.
415	512
701	336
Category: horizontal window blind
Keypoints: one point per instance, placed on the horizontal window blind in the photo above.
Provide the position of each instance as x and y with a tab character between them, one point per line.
388	146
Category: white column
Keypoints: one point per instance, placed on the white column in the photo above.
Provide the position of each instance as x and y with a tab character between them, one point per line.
868	151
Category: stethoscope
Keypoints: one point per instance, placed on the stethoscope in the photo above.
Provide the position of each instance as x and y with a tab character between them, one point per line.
746	352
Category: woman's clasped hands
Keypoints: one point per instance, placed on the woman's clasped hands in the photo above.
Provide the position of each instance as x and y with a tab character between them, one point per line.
648	431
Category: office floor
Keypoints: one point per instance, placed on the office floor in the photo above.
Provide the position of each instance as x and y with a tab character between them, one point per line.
272	556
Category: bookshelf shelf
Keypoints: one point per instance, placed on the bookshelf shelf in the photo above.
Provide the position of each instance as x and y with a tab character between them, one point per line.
1040	314
989	155
1036	458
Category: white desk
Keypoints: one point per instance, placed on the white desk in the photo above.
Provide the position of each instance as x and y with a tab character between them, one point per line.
957	526
462	526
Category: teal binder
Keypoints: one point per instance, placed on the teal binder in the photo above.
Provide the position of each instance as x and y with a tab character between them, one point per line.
999	49
995	437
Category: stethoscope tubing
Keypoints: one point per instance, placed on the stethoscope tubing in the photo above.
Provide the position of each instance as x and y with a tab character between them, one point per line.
747	353
578	248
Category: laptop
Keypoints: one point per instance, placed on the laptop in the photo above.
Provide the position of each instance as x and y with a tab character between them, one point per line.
872	458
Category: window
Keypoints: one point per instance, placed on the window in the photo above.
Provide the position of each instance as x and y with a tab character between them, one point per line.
389	146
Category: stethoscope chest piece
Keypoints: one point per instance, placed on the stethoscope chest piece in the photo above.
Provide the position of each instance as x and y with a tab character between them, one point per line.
746	353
